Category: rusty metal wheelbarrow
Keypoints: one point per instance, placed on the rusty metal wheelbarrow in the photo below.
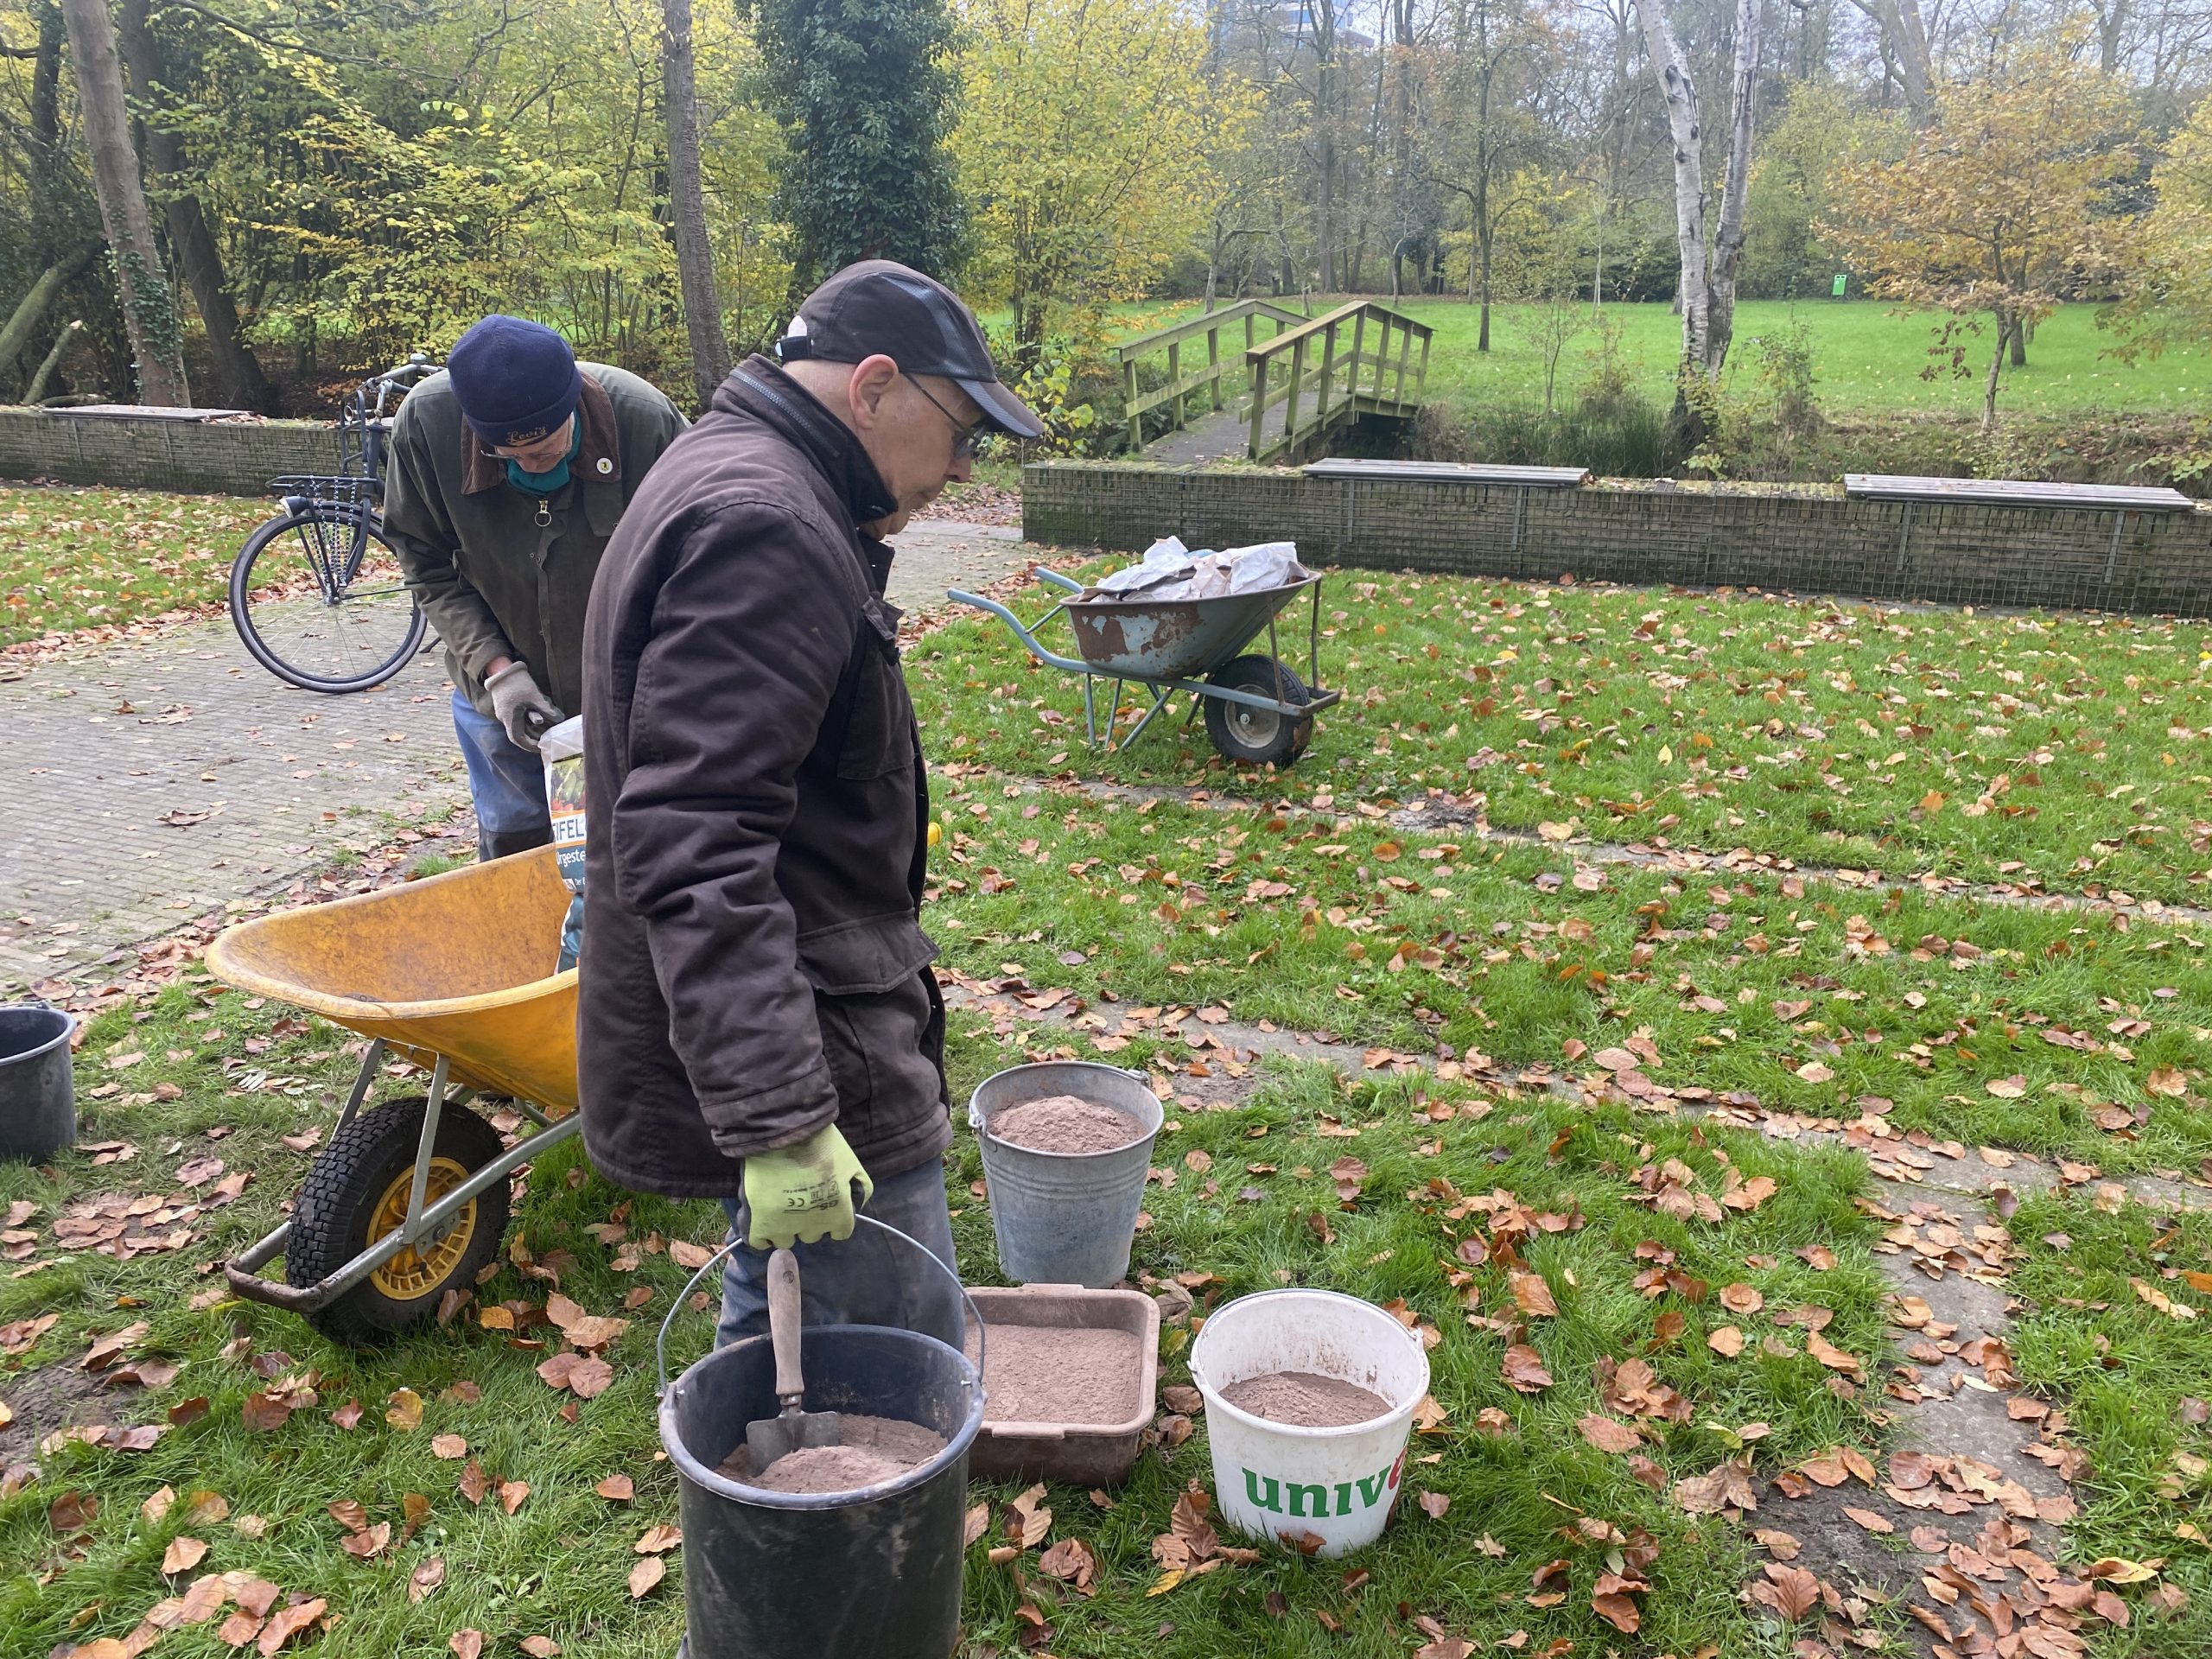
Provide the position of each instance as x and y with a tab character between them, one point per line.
408	1202
1258	711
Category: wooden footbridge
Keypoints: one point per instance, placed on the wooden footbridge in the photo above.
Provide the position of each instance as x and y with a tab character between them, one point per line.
1282	399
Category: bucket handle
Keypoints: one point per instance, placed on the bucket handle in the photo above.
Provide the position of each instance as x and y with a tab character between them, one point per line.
660	1341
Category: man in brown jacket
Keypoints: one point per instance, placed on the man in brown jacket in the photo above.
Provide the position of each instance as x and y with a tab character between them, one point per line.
757	1021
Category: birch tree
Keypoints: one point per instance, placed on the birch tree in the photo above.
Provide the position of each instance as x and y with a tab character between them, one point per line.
1711	251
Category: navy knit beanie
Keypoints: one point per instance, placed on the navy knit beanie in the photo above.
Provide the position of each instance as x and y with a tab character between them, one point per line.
517	381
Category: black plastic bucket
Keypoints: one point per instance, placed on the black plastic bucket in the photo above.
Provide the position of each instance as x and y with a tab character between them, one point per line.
869	1574
38	1098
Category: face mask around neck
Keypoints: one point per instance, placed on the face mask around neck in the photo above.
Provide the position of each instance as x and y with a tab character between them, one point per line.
547	482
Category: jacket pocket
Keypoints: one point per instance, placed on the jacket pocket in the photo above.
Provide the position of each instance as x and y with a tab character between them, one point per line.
878	734
878	954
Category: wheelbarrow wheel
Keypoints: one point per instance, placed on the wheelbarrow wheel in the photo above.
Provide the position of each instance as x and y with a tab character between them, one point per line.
357	1192
1258	737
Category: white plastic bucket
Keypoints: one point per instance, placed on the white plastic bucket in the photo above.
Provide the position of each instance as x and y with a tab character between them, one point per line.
1277	1481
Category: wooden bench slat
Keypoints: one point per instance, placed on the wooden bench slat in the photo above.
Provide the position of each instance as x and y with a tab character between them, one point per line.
2014	493
1527	477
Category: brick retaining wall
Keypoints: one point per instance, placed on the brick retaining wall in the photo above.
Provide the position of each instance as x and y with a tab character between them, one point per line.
225	458
1779	537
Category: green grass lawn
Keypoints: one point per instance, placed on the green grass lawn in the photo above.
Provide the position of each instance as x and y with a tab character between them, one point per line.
1980	1024
1951	1025
2076	753
89	558
558	1564
1868	359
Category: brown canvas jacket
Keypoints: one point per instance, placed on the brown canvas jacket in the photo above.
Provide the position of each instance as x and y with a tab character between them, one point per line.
753	963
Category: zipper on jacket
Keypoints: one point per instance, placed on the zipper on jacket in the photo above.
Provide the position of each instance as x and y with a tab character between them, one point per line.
544	511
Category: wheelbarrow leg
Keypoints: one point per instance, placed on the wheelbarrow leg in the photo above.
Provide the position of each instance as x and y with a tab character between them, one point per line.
1113	716
362	1080
423	1149
1158	701
1090	712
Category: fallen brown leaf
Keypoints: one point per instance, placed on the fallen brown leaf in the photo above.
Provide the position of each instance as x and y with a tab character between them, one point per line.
1523	1369
283	1627
184	1553
1608	1433
1790	1590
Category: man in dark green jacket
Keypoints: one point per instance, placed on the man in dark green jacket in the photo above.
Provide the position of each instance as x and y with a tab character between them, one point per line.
507	474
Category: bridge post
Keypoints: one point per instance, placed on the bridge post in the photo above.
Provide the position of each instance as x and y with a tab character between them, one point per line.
1358	345
1328	378
1297	379
1175	380
1259	398
1129	402
1213	359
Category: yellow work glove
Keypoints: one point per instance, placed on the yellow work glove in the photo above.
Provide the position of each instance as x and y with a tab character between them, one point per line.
798	1194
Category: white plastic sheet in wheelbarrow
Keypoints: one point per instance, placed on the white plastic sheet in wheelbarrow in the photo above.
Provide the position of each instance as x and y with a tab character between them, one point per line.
1171	571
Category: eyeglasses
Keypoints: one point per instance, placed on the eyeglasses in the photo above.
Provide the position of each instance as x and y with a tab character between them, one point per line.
967	437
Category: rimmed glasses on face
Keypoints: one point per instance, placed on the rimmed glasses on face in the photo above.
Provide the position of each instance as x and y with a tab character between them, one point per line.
967	437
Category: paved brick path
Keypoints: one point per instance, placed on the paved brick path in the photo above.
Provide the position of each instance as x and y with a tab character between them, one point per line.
152	783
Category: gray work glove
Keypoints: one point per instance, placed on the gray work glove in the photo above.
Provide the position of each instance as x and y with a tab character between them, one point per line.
520	707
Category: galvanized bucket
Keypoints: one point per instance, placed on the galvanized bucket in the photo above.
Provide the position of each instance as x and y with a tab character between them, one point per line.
1065	1218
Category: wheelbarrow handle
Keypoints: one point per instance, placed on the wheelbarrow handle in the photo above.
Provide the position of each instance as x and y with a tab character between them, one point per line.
660	1341
1026	635
1056	579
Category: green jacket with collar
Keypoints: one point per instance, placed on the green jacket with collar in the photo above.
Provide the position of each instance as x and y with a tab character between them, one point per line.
499	572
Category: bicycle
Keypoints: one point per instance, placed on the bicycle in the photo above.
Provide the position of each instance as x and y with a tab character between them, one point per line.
317	595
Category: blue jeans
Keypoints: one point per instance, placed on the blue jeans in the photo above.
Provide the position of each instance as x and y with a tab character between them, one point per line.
869	1278
507	783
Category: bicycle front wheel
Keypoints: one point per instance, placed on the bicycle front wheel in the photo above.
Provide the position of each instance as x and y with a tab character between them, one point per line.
318	597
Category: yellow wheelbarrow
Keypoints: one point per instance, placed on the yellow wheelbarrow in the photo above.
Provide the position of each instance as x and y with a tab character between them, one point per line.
408	1200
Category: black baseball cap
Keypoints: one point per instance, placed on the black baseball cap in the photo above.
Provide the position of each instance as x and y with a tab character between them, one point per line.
880	306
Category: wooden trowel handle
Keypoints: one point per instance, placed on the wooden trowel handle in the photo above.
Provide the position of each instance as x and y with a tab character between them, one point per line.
784	1325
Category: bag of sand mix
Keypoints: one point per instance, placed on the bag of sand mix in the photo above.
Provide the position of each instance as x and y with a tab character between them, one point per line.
563	750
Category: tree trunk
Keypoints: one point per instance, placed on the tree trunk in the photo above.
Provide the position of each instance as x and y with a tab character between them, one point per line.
1324	214
46	82
238	378
1706	293
1906	36
32	308
1686	127
2113	18
149	309
1485	239
2019	336
62	339
1996	367
695	256
1735	190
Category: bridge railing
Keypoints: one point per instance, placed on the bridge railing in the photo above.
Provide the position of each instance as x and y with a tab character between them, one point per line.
1218	366
1361	359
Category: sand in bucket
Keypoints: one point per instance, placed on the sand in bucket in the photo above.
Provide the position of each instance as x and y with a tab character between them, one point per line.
1262	1362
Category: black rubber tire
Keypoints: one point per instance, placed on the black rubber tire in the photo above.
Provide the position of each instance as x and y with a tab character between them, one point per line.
341	520
1256	737
335	1206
